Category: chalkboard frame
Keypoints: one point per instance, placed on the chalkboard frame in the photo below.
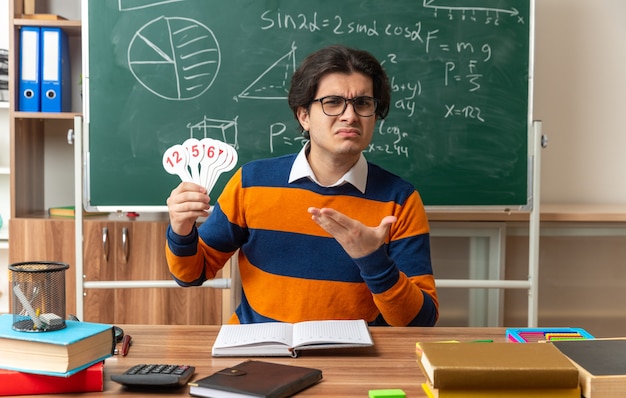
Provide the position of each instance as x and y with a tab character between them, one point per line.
89	184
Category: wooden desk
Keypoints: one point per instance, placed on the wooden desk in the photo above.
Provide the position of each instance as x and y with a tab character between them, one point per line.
548	212
390	363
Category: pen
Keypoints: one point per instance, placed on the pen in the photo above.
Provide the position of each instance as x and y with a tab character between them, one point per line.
126	341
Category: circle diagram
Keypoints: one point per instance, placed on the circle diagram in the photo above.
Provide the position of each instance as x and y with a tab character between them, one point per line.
175	58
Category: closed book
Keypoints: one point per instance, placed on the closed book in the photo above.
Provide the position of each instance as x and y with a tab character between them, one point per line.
20	383
495	365
286	339
432	392
69	211
60	352
601	364
256	379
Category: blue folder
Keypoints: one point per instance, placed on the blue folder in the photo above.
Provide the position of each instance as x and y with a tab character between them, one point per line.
29	80
55	71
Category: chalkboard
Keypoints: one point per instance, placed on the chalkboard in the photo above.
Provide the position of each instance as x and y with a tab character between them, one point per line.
458	126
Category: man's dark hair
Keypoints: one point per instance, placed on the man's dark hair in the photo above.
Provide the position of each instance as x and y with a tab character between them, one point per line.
338	59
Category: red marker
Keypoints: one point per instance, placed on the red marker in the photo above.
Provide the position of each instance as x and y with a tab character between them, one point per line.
126	341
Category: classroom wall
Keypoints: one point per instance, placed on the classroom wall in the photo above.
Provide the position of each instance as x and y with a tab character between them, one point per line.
580	95
59	154
581	281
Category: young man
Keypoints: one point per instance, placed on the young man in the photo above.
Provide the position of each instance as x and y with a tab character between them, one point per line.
323	233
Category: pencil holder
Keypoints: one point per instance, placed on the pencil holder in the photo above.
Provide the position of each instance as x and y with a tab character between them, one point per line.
38	296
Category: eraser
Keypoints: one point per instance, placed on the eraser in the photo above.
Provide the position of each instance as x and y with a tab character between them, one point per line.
391	393
51	319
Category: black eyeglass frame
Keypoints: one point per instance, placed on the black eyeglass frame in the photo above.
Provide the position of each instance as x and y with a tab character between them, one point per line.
345	104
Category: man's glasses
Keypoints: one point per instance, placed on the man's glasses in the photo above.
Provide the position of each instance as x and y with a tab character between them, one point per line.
335	105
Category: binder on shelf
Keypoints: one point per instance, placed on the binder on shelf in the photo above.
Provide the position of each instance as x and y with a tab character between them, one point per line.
29	80
55	70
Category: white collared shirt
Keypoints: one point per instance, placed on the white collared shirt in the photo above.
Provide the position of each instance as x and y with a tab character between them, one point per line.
357	175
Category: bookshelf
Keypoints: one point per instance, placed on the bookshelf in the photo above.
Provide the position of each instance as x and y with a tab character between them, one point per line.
45	164
39	163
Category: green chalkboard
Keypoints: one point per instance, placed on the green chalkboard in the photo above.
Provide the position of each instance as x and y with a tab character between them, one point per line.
459	122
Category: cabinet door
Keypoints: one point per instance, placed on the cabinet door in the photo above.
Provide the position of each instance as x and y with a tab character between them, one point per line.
135	251
98	304
46	240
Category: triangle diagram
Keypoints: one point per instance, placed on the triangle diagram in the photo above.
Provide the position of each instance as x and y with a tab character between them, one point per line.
273	83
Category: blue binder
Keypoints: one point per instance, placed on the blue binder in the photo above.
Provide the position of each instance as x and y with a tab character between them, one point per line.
29	80
55	71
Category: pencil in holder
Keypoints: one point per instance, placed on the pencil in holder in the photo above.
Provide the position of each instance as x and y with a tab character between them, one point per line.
38	295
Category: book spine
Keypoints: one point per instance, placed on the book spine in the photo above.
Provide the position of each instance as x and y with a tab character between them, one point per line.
21	383
499	378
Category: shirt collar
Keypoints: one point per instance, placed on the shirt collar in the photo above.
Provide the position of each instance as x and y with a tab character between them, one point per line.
357	175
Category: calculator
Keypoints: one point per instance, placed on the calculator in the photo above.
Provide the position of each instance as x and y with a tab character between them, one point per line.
155	375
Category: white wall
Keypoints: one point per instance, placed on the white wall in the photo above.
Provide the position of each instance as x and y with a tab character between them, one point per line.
580	95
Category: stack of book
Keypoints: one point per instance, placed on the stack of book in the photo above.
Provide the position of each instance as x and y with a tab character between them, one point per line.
59	361
502	370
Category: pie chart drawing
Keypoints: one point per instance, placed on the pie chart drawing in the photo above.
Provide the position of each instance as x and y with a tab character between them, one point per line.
175	58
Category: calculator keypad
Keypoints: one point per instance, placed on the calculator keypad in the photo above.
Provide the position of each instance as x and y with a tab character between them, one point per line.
155	375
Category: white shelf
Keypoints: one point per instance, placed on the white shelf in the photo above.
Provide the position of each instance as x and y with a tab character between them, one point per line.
4	105
5	171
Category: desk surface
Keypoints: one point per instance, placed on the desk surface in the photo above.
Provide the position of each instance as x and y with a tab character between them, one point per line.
548	212
390	363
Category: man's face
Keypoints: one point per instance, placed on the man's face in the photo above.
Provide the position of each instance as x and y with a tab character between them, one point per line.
347	134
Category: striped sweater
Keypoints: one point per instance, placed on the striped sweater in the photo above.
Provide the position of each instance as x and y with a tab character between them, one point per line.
292	270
